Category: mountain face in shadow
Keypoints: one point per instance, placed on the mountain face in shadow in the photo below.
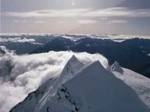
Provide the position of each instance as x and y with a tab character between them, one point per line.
58	44
21	44
131	53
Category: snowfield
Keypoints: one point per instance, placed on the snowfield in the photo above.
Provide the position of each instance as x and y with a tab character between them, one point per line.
137	82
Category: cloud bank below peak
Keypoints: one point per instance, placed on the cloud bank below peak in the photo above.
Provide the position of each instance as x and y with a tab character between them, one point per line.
23	76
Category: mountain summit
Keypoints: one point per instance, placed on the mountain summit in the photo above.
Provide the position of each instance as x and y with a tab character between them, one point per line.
83	88
116	67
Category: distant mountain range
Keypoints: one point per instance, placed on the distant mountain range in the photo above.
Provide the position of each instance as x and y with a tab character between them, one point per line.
130	53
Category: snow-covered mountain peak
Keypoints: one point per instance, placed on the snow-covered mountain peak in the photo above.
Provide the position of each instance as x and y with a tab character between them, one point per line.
93	89
116	67
70	70
73	58
72	67
103	89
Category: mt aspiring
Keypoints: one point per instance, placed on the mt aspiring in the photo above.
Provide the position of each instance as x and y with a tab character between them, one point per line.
87	88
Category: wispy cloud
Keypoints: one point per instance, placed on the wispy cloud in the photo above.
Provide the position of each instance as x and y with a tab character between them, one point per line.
48	13
118	12
108	12
39	22
17	39
104	18
87	21
117	21
60	22
20	21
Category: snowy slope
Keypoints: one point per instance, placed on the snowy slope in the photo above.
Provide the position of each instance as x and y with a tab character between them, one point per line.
72	67
93	89
23	74
48	89
137	82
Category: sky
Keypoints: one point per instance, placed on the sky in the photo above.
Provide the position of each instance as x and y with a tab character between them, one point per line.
76	16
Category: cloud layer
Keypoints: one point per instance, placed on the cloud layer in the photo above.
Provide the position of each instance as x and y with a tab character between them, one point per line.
20	75
87	21
117	21
108	12
17	39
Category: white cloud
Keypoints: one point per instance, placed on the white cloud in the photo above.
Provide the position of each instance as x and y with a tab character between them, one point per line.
26	73
20	21
39	22
104	18
118	12
48	13
87	21
102	13
17	39
61	22
117	21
